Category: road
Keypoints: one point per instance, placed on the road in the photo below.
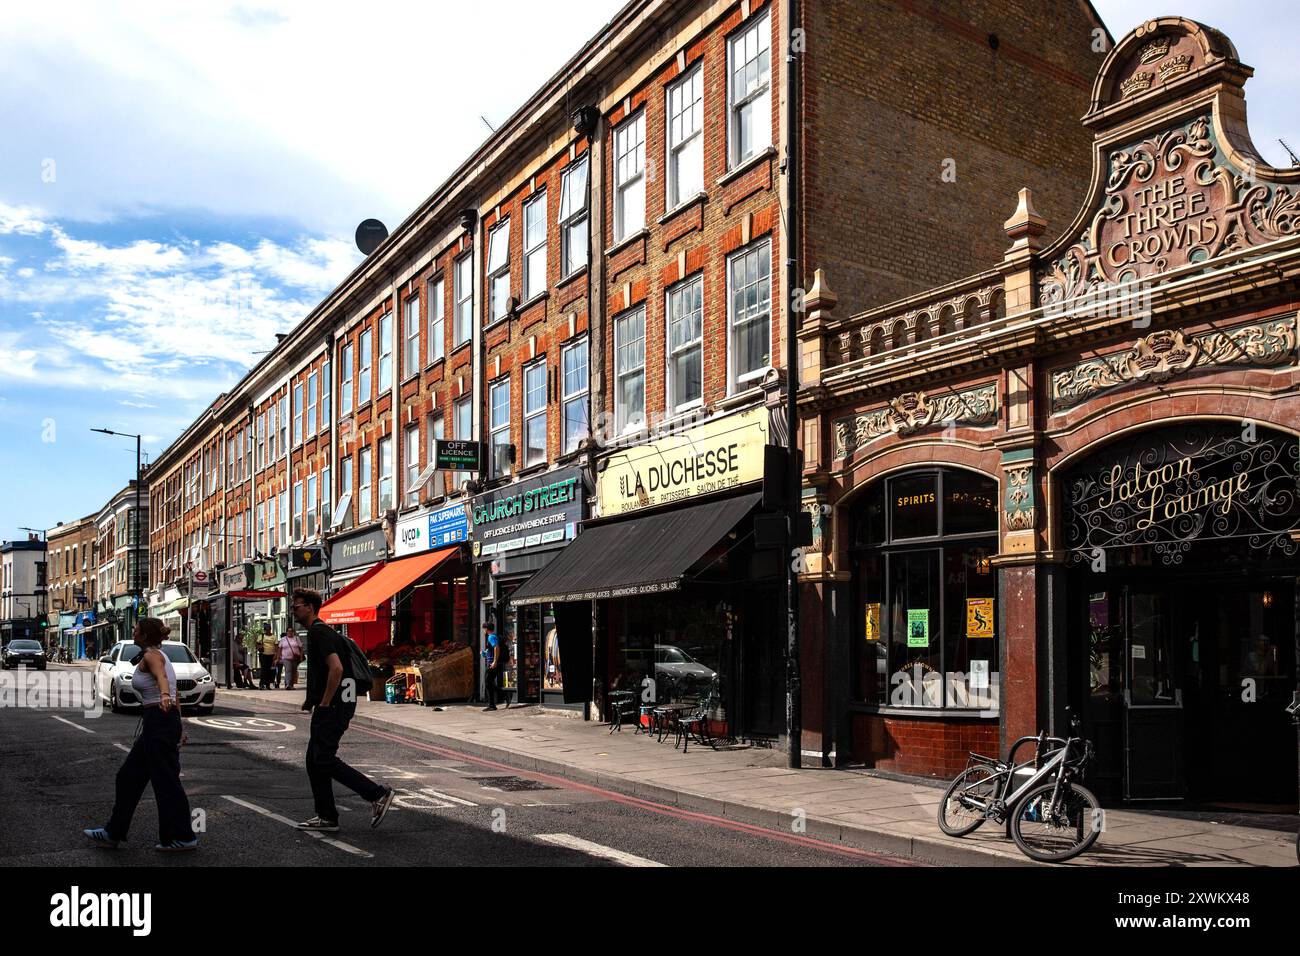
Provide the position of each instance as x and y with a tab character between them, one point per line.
243	771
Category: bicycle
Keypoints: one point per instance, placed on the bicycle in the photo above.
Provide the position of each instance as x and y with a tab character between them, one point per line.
1051	816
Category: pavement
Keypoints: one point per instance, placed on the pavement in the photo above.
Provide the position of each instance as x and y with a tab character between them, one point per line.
853	807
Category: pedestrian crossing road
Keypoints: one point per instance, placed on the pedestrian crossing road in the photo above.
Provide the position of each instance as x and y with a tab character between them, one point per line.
243	769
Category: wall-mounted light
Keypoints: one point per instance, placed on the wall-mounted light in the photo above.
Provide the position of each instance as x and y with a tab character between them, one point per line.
982	564
1268	599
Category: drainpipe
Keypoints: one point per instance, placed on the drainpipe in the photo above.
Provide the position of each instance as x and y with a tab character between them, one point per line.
794	690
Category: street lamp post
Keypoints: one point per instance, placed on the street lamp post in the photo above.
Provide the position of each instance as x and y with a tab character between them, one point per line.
136	590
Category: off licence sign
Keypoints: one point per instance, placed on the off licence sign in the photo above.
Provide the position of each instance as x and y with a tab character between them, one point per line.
458	455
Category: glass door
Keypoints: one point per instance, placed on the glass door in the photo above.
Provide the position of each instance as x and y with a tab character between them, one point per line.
1153	696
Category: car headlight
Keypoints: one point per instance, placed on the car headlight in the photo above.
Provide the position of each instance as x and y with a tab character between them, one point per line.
205	679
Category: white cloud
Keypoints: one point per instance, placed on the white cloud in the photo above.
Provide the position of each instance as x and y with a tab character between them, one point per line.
20	220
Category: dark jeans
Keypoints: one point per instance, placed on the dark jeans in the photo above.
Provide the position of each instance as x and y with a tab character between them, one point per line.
155	758
324	765
493	683
268	670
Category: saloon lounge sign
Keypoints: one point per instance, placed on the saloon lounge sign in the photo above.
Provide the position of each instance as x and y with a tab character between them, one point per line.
1175	487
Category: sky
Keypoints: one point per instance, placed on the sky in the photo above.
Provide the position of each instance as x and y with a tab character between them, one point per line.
181	181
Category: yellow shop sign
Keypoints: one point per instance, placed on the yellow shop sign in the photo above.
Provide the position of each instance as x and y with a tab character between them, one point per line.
717	456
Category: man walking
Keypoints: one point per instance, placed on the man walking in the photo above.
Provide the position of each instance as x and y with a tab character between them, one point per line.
332	704
494	658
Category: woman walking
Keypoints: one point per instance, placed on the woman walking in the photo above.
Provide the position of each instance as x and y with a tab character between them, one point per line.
155	756
290	649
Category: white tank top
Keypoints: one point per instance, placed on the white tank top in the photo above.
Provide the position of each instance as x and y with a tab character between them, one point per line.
144	684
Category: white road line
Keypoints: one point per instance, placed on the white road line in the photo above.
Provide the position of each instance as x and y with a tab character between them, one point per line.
446	796
594	849
122	747
339	844
64	720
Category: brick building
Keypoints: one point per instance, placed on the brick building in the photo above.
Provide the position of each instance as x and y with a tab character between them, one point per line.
1087	498
73	568
608	273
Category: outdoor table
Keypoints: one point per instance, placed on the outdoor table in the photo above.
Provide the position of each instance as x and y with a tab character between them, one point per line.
616	698
665	714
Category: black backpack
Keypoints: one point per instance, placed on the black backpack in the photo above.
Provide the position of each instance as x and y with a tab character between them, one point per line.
357	667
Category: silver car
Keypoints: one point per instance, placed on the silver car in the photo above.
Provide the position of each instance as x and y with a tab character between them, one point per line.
194	684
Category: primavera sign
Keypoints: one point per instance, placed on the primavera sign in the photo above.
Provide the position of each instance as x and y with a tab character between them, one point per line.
720	455
1172	488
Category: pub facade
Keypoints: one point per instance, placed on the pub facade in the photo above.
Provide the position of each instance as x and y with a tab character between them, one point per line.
1069	483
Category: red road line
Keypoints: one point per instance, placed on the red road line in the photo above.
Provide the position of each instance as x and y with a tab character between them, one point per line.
661	809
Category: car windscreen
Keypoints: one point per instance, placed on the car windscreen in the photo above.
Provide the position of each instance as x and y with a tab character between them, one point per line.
24	646
176	653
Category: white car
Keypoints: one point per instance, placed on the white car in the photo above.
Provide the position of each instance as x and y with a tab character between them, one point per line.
113	677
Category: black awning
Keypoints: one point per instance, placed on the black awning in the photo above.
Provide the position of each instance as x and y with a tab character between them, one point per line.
635	556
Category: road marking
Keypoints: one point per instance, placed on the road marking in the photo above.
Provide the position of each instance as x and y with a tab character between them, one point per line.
256	724
122	747
594	849
446	796
345	847
64	720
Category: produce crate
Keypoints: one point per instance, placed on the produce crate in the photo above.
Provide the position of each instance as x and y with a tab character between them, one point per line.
449	677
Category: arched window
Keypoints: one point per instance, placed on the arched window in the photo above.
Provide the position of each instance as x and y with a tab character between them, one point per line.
924	591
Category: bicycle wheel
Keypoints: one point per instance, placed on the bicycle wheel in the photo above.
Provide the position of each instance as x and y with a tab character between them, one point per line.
1054	836
979	784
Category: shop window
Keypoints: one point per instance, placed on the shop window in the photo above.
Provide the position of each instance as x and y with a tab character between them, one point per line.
924	625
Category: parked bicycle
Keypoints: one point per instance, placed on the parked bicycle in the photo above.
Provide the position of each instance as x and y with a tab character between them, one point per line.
1051	816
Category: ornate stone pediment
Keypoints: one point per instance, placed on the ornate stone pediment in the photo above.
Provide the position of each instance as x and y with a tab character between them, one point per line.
1169	352
913	411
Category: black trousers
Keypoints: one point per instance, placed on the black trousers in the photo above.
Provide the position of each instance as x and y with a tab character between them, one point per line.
324	766
155	758
268	671
493	683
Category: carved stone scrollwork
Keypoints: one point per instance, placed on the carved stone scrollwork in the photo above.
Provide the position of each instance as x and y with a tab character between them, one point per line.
1168	352
913	411
1018	504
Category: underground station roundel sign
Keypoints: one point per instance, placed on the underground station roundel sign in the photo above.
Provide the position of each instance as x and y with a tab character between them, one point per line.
1174	487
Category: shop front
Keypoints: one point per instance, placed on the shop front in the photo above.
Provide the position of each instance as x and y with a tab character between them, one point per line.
682	603
517	530
437	607
1182	580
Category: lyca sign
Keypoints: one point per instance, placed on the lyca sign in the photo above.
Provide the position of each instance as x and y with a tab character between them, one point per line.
432	529
720	455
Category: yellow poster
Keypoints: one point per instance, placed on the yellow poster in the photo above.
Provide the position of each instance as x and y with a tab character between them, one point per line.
979	617
873	622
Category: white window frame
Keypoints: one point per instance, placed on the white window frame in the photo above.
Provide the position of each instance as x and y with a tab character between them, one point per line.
411	465
325	500
684	136
752	41
364	484
385	352
345	487
437	320
386	500
679	294
313	393
534	414
464	291
284	425
496	428
498	266
297	414
345	380
463	426
435	429
325	388
629	174
737	381
535	279
310	509
567	398
573	215
297	512
365	366
411	331
624	423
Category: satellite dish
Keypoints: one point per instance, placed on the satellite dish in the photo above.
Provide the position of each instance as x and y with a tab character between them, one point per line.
370	234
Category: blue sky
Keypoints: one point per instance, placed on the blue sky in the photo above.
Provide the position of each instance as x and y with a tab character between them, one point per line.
179	182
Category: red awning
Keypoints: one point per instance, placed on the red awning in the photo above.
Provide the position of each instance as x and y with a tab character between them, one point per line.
357	603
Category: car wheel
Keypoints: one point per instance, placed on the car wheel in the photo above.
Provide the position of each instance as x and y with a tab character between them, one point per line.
113	703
